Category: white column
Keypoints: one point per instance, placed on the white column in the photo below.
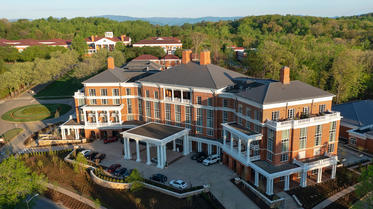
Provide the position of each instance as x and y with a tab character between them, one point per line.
173	95
209	149
129	149
96	115
125	150
182	99
108	116
63	133
148	154
164	155
174	145
303	179
224	137
231	142
190	146
239	146
185	145
256	181
287	182
248	151
319	175
76	133
334	170
217	150
137	151
159	156
269	188
85	116
199	146
120	117
68	131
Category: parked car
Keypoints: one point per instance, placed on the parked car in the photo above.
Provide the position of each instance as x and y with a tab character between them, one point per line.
113	167
110	139
211	160
86	152
100	156
154	160
159	177
120	172
198	155
202	158
178	184
92	156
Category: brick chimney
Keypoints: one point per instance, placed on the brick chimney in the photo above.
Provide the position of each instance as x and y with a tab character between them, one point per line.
110	63
92	38
122	37
285	75
186	56
204	57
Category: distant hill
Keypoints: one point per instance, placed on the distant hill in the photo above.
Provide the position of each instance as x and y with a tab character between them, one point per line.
168	20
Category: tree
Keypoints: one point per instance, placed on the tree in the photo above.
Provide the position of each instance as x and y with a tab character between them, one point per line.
80	159
136	179
365	187
197	40
17	181
79	45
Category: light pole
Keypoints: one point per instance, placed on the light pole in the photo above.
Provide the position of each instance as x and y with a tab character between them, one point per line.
29	200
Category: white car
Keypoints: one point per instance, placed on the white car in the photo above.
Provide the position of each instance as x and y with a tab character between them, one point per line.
179	184
86	152
211	160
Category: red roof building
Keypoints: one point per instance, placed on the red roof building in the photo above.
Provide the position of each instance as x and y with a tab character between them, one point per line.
24	43
108	42
169	44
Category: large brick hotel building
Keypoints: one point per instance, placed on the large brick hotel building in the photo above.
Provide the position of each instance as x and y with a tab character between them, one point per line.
269	132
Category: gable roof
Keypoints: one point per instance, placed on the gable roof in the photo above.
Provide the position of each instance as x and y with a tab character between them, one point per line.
146	57
115	75
160	40
358	113
170	57
269	91
192	74
142	65
114	38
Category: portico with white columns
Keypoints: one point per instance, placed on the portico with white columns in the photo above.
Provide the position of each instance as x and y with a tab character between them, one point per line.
151	137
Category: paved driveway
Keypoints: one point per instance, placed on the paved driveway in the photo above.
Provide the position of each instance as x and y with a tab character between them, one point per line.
218	175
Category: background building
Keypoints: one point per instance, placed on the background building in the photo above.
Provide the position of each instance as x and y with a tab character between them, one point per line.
169	44
108	42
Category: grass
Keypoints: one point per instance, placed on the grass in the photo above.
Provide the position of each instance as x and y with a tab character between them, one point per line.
61	88
10	134
35	112
62	174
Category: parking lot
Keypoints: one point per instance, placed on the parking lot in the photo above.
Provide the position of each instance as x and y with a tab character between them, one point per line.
194	174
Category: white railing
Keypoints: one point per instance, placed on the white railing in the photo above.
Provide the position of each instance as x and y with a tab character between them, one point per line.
254	158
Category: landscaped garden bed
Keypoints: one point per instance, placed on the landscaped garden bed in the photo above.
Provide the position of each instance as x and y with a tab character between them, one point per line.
79	181
36	112
344	202
9	135
310	196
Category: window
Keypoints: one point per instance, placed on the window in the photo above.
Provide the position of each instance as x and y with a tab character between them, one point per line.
199	117
257	128
291	113
248	112
129	106
199	100
199	130
332	131
130	117
139	92
225	116
318	135
331	148
148	112
156	110
177	113
285	141
353	141
188	115
270	139
284	157
225	103
210	132
140	109
128	91
209	101
239	120
104	101
103	92
147	93
156	96
317	151
322	108
115	92
275	115
81	102
116	101
168	112
306	111
257	115
92	92
303	138
248	125
210	119
240	108
92	101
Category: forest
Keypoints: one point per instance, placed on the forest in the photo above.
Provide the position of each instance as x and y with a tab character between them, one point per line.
334	54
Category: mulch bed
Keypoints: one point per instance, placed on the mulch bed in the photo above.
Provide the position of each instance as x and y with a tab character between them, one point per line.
344	202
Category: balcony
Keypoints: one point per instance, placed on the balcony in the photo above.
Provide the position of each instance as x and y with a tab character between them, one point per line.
319	161
313	119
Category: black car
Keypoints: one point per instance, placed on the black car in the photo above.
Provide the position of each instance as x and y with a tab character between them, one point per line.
100	157
92	156
159	177
120	172
127	173
198	155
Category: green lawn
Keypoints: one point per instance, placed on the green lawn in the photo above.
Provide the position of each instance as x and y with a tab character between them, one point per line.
10	134
63	87
35	112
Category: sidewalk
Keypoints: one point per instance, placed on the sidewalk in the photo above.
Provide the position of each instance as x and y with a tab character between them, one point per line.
335	197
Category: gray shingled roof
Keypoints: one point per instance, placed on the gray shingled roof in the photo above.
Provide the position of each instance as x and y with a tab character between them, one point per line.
358	113
155	130
113	76
273	92
193	74
142	65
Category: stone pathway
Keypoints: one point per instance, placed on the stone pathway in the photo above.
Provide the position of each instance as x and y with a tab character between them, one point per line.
335	197
289	202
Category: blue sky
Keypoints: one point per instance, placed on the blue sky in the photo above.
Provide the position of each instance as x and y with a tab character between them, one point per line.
173	8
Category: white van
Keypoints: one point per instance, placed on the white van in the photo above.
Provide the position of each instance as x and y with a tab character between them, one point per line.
211	159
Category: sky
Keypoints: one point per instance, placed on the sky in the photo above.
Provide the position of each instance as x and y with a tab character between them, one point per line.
15	9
